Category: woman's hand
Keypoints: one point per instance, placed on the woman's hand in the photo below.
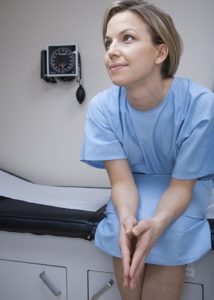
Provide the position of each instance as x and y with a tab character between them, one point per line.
136	240
145	235
127	245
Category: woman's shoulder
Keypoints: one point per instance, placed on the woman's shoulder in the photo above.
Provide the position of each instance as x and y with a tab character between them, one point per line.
106	97
190	88
107	103
190	96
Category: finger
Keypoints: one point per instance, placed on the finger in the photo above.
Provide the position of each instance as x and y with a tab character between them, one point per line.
137	277
126	270
126	259
141	250
137	262
128	224
126	264
141	228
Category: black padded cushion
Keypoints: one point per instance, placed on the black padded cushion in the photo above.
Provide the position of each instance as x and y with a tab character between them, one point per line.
211	222
22	216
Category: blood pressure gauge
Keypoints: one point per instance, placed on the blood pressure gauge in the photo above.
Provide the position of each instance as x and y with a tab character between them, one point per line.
62	63
62	60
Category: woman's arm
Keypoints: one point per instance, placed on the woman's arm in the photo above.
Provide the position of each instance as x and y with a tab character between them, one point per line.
125	199
124	191
172	204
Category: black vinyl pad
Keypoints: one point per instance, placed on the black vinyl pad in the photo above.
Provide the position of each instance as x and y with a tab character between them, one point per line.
21	216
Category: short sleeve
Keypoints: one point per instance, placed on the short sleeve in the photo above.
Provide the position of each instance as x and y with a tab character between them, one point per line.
195	143
101	141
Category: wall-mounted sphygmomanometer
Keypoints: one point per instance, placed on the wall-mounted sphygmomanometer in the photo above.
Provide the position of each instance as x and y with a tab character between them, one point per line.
62	63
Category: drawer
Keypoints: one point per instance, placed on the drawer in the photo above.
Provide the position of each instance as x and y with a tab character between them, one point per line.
102	286
23	280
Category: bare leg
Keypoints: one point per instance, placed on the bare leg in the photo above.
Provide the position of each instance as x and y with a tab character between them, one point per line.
161	282
126	293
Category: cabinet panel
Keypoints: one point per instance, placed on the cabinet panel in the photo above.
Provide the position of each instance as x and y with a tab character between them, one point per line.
192	291
20	280
102	286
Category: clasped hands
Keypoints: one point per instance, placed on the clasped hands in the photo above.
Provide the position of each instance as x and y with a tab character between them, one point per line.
136	240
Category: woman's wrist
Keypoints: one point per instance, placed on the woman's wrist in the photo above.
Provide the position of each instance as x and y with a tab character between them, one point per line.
127	219
160	223
128	222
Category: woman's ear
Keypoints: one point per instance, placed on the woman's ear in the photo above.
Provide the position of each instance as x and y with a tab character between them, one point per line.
162	53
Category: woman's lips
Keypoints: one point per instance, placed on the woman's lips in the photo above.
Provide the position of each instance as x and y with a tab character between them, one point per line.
115	67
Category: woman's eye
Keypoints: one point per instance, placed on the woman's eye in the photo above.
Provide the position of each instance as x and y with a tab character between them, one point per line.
107	44
128	38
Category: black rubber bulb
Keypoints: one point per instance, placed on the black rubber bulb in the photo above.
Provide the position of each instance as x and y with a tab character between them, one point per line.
80	94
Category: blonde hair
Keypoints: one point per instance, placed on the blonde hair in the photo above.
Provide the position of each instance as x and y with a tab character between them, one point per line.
160	26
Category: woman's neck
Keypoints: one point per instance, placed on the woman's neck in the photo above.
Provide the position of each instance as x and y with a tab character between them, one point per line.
146	97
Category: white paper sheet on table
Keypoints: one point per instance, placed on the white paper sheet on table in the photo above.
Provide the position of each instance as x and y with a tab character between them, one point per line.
82	198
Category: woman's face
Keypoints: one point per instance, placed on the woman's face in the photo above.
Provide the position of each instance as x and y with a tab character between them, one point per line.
131	57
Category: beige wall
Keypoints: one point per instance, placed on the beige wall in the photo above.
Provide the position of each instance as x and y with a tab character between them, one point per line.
41	124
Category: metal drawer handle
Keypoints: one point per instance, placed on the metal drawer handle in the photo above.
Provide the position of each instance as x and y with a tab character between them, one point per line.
49	284
107	286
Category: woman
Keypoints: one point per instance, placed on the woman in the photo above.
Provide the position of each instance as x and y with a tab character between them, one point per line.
153	133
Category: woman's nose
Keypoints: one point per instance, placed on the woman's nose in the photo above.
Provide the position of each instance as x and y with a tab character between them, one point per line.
114	49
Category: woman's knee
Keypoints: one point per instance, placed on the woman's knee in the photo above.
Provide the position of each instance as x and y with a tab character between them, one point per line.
163	282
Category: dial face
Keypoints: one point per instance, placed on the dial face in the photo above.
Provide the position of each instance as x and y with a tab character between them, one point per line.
62	61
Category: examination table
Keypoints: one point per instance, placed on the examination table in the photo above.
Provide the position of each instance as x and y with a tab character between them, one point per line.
47	250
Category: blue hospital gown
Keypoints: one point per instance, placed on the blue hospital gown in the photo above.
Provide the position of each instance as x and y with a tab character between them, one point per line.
174	139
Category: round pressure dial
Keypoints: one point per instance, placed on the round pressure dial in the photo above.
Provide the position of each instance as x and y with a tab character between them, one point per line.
62	61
